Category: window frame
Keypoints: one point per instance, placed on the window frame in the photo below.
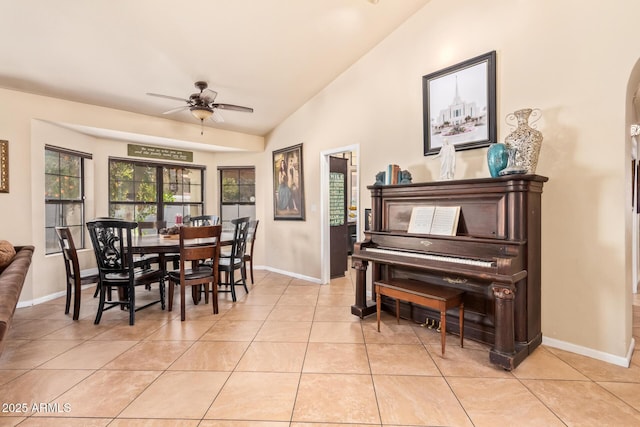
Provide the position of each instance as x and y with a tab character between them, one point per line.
221	207
159	203
65	202
221	170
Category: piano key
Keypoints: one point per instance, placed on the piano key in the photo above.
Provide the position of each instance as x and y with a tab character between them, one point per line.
456	260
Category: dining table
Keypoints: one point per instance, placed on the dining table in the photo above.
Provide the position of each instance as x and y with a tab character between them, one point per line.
169	245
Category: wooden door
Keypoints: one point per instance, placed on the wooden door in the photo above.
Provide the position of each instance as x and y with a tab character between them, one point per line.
339	235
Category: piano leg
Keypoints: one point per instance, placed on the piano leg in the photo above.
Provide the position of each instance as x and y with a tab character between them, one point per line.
443	330
362	307
505	335
378	307
505	353
461	315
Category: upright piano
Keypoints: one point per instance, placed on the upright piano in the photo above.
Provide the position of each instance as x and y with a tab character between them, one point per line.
494	257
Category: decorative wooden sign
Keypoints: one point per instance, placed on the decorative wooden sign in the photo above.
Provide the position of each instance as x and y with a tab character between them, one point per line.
159	153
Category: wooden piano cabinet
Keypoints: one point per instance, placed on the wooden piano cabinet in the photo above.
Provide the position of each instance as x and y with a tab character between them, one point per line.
500	226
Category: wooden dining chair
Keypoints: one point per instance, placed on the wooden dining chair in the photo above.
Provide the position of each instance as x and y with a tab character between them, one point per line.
193	270
76	277
112	246
248	256
199	221
234	261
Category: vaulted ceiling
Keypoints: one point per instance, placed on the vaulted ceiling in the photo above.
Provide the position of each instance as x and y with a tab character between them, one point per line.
271	55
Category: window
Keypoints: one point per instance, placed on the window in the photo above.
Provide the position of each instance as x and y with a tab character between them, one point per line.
141	191
237	193
63	195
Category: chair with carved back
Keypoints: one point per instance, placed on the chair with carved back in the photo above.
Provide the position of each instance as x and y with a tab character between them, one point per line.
76	278
248	256
97	292
144	228
193	271
234	261
111	240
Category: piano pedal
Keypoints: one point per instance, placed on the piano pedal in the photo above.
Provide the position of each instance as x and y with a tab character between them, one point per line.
430	323
439	329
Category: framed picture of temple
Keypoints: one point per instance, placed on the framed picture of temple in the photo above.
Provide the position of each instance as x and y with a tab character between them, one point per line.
459	105
288	184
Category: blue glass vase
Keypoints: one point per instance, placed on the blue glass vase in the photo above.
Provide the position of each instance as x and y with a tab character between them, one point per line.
497	158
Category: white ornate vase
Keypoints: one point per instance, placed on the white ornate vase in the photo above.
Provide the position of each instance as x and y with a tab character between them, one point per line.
525	140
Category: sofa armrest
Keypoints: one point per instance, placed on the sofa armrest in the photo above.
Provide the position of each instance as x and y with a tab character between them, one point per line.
11	281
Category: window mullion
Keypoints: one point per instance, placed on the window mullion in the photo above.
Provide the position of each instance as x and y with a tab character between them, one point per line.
160	193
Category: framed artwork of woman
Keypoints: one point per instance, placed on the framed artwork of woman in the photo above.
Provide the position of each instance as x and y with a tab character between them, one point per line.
288	183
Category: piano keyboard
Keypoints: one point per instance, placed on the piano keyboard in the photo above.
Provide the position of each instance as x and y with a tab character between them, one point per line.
457	260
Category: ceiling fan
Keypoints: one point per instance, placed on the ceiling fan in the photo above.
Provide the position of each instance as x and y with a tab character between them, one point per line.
202	105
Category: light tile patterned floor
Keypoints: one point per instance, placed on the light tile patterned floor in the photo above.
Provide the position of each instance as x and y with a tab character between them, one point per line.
289	353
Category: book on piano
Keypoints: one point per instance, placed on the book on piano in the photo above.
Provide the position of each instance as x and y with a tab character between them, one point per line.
437	220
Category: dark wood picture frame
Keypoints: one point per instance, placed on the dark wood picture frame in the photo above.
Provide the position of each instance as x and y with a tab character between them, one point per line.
459	104
4	166
288	184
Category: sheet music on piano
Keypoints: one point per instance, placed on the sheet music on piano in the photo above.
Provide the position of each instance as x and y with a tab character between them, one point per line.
437	220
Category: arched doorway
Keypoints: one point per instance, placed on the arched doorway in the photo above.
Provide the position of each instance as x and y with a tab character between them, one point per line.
632	175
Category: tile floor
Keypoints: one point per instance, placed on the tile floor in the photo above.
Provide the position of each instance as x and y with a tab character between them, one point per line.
288	354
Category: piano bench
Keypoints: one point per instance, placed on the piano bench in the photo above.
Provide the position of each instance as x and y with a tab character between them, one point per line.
422	293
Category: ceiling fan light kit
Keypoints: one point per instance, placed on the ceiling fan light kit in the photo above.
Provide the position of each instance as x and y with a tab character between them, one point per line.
202	105
201	113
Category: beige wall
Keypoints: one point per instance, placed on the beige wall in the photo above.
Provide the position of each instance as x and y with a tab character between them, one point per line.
26	122
567	58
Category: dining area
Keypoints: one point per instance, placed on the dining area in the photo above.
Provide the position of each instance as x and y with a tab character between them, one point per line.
140	265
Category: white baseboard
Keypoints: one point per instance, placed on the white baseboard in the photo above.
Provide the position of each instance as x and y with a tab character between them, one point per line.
290	274
49	297
594	354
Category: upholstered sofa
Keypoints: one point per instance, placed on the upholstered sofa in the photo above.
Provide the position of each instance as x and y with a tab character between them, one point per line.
11	281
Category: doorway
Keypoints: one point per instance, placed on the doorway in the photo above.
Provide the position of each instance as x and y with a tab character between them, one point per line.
353	202
634	135
635	238
338	228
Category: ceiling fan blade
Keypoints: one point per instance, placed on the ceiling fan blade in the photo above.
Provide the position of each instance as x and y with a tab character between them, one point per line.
175	98
208	95
217	117
233	107
175	110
